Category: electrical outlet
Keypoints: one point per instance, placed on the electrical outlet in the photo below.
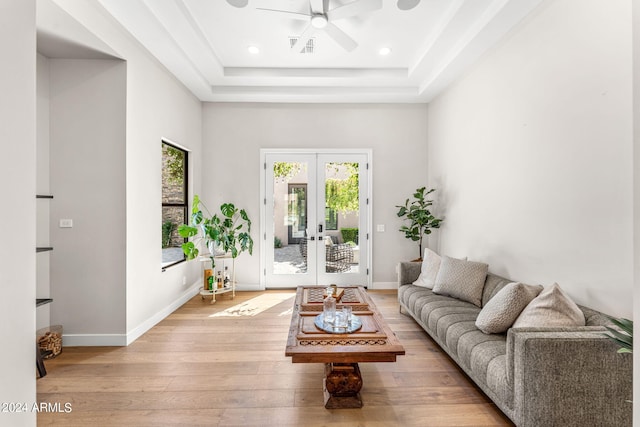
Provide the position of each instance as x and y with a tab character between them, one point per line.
184	280
380	228
66	223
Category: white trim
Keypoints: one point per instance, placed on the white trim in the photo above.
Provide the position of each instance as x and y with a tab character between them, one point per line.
383	285
119	340
136	332
93	340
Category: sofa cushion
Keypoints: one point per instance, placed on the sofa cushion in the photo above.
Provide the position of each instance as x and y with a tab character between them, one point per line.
461	279
429	269
503	309
552	308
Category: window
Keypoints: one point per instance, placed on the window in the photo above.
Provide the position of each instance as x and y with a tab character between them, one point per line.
174	202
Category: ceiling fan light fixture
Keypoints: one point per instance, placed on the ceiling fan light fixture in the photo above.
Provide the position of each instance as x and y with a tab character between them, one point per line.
238	3
384	51
319	21
407	4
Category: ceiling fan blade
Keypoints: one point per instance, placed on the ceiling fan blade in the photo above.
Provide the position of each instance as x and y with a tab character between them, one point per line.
291	14
354	8
317	6
303	39
340	37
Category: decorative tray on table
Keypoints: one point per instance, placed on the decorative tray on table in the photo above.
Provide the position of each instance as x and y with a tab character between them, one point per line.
353	326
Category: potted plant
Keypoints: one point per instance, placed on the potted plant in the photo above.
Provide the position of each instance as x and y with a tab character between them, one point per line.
622	337
420	218
229	233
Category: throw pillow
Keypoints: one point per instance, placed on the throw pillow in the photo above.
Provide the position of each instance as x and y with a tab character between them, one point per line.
461	279
504	308
430	267
552	308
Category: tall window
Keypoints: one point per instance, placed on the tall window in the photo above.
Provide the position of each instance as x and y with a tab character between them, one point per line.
174	202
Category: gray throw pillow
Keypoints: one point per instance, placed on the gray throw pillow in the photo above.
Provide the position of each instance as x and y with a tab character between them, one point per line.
499	313
552	308
461	279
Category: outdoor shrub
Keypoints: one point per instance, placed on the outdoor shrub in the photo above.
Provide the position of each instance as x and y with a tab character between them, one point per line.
167	230
349	235
277	243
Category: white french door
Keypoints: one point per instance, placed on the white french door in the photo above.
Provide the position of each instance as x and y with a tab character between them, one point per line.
316	218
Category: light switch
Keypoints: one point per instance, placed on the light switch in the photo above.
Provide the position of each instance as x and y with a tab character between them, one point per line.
66	223
380	228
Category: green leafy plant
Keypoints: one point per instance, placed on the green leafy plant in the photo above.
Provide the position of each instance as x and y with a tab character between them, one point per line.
277	243
420	218
231	231
349	235
622	337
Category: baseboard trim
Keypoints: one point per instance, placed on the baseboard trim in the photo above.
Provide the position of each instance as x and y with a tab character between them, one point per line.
137	332
383	285
120	340
94	340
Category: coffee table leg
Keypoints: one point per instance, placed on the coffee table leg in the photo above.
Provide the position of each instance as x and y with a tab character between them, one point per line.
341	385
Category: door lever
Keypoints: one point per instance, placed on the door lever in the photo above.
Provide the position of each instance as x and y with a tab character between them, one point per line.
319	228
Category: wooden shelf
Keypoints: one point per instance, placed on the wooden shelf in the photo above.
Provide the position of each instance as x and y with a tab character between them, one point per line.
43	249
43	301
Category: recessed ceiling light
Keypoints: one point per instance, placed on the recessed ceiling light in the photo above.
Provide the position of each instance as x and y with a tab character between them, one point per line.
253	50
384	51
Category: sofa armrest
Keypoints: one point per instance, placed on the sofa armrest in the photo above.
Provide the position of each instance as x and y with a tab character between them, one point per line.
568	377
408	272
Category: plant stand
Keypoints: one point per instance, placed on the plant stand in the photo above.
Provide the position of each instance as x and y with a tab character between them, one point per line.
221	262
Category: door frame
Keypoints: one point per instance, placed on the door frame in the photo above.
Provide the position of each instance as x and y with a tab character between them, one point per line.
263	201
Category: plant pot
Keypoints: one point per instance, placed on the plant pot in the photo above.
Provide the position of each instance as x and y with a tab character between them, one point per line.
215	249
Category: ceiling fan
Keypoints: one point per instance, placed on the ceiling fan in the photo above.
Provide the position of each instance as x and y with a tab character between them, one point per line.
321	18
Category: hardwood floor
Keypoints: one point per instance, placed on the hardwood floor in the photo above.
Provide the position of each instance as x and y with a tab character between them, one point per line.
224	365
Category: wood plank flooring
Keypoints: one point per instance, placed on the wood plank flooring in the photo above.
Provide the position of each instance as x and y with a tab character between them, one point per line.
224	365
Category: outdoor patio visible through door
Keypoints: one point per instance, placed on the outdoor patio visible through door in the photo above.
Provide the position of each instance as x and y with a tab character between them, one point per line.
316	218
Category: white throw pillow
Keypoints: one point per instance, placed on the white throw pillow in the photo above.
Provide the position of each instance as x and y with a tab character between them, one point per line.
429	271
503	309
552	308
461	279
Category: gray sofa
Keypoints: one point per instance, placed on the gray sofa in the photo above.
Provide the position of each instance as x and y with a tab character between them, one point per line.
537	376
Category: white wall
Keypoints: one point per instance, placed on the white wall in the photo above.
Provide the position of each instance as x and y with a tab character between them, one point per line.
18	175
636	198
157	107
233	134
533	153
87	137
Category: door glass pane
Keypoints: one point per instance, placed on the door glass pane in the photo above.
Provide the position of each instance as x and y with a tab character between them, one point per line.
342	217
290	181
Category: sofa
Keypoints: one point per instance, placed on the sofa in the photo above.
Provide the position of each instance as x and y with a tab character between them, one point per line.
538	376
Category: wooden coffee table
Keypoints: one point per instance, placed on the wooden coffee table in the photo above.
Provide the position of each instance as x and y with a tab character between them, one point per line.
341	352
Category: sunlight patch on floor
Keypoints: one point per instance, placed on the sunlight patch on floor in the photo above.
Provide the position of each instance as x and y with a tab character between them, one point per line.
255	305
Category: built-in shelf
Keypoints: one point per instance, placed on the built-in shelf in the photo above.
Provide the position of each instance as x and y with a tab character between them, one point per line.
43	301
44	196
43	249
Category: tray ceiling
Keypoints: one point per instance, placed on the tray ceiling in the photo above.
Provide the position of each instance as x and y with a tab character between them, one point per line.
205	44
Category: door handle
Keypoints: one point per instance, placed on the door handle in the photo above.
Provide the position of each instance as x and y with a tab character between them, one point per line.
319	228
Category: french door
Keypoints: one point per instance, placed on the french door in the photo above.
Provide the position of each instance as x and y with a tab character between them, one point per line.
316	218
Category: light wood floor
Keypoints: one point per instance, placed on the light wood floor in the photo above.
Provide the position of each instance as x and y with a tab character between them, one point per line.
224	365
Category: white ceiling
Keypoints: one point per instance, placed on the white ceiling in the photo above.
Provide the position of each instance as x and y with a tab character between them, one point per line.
204	44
